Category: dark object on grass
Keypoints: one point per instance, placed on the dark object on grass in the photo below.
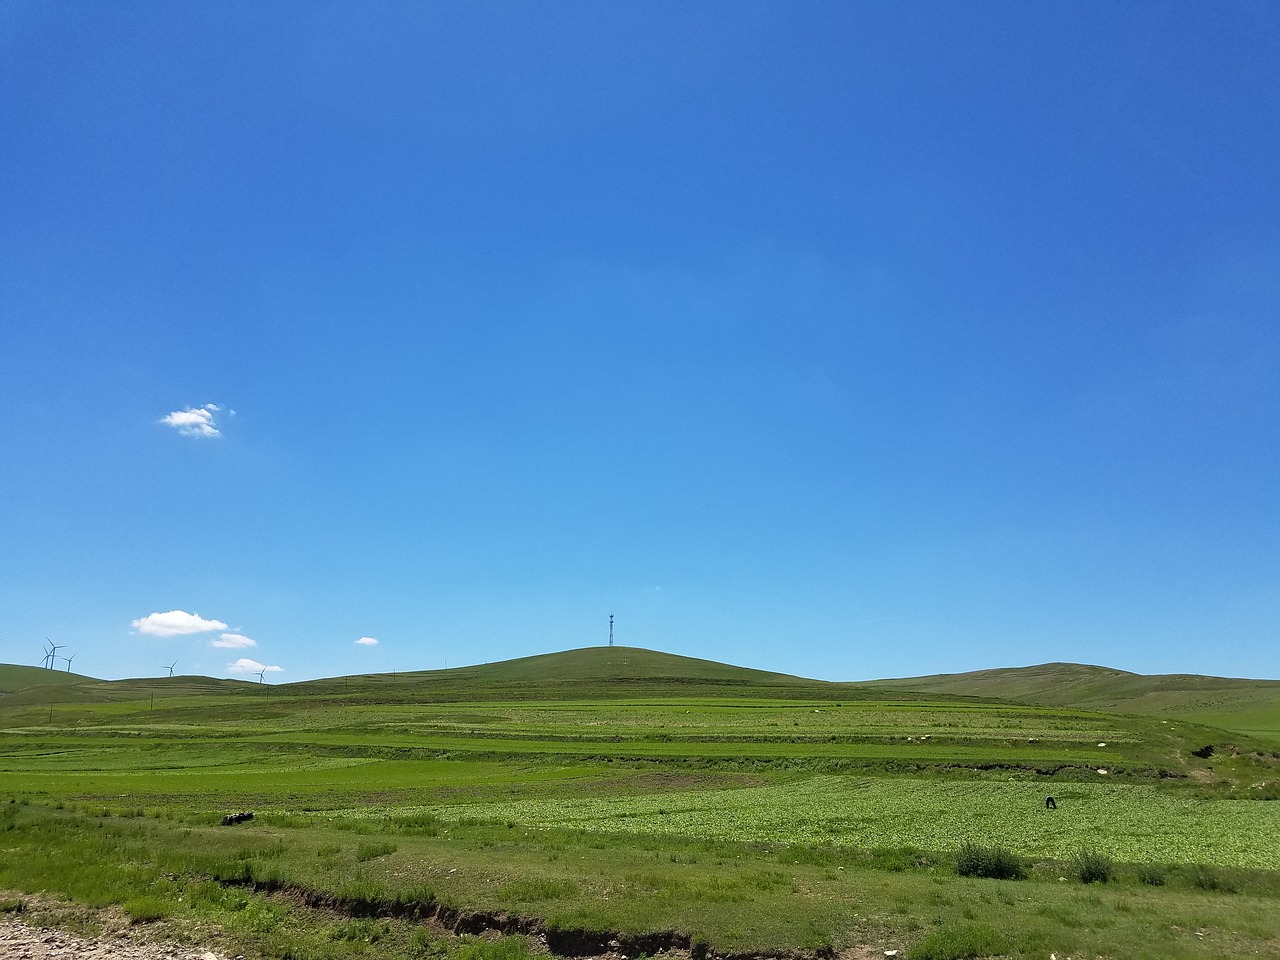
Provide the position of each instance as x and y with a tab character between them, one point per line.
1204	753
233	818
996	863
1050	803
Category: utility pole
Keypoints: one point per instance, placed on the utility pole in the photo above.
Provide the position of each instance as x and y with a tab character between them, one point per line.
611	629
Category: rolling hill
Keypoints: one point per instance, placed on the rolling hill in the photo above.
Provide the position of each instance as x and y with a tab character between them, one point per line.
1246	706
1243	706
15	677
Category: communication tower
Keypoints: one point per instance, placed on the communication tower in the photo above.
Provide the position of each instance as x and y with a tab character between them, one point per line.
611	629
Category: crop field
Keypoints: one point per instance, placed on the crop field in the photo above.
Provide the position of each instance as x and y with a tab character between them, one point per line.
652	804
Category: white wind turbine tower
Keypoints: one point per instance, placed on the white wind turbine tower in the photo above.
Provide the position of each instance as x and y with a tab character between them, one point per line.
169	667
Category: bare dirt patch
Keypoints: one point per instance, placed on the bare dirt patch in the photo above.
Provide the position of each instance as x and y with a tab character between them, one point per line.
20	942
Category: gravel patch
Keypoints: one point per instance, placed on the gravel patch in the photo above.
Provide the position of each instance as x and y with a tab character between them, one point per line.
20	942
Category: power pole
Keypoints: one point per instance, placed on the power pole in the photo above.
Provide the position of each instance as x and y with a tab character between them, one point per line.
611	629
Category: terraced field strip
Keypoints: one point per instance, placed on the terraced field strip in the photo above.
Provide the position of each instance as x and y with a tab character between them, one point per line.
1134	823
1023	754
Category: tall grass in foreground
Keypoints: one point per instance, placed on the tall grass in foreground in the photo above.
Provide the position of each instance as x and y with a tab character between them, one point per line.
958	942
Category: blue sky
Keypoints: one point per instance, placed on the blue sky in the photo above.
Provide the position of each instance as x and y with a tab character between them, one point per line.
850	340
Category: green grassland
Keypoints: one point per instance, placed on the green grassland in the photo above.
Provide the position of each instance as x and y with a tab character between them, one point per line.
1249	706
623	795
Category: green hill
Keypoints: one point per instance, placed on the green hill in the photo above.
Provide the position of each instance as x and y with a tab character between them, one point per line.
621	665
1246	706
15	677
586	673
592	673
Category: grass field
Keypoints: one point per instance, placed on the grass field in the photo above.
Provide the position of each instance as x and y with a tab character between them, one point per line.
652	801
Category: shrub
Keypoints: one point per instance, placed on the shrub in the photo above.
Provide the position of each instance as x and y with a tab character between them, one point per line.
1151	875
1206	878
1092	867
995	863
958	942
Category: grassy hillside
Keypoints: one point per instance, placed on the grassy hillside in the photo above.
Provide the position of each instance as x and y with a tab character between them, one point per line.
1246	706
1243	706
15	677
587	673
621	664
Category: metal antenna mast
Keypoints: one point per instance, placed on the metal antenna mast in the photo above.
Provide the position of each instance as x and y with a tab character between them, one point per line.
611	629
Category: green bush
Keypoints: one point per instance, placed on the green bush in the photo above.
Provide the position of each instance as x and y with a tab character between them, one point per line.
1207	878
959	942
997	863
1092	867
1151	875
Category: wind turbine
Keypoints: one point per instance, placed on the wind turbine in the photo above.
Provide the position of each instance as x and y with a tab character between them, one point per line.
52	653
170	667
68	659
262	675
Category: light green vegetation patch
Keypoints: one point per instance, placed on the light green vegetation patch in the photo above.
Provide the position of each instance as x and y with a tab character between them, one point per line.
1136	823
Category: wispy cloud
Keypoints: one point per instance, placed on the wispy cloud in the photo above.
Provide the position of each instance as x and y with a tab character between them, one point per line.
195	421
245	665
233	641
367	642
175	623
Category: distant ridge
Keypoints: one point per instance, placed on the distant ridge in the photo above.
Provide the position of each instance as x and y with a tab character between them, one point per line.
1250	706
1245	706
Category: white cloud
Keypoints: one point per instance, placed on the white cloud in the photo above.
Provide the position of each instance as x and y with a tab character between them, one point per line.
233	641
194	421
175	623
245	665
367	642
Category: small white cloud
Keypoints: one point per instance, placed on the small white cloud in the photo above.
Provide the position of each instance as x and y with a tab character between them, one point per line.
367	642
175	623
245	665
233	641
194	421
